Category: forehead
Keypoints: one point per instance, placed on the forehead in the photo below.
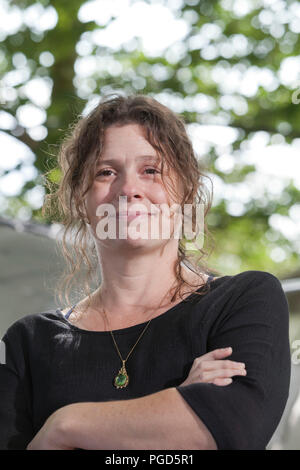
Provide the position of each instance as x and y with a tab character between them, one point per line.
129	135
127	141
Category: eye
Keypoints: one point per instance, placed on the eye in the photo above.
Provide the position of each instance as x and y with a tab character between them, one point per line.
104	173
152	169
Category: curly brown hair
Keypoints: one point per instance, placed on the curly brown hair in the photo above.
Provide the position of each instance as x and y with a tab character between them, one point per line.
77	160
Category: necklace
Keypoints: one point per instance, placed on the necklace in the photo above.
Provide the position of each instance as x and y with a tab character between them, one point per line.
121	380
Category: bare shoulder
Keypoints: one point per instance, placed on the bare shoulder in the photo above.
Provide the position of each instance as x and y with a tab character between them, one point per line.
65	311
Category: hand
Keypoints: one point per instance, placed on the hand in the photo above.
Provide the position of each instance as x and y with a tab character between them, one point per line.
209	368
52	435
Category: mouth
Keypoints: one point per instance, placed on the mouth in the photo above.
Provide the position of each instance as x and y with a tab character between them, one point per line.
131	215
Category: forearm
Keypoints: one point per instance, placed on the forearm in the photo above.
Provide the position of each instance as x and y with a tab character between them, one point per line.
162	420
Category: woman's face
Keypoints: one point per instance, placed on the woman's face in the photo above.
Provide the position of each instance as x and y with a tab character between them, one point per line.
130	167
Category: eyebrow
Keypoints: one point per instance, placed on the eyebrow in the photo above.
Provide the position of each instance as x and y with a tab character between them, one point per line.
112	161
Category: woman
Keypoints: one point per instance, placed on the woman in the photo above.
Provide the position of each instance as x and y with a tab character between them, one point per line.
140	363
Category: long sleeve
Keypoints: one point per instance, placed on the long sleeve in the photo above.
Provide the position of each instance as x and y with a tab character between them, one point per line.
16	429
245	414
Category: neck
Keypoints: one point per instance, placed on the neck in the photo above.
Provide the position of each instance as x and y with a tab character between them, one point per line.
136	284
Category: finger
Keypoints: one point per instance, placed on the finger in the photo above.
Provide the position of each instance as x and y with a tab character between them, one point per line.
215	354
211	375
224	364
222	382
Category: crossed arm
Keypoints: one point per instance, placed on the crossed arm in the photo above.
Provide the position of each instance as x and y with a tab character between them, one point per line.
162	420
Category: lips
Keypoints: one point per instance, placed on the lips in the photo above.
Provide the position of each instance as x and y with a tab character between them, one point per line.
135	213
128	216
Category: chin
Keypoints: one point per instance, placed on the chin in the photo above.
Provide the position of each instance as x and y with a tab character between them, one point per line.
139	243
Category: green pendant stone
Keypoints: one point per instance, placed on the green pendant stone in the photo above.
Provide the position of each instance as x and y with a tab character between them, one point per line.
121	379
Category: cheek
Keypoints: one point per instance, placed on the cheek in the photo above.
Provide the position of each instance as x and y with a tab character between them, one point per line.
94	198
172	188
159	195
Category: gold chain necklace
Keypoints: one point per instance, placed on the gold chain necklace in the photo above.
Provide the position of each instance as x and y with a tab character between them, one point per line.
122	378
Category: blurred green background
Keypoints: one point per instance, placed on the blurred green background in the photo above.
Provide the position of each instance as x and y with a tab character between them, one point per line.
231	68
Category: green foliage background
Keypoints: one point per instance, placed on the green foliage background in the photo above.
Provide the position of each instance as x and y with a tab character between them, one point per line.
242	242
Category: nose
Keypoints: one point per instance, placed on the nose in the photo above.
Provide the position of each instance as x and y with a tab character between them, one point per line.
129	186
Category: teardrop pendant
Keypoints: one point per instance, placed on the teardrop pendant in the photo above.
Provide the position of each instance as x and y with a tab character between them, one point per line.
122	379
